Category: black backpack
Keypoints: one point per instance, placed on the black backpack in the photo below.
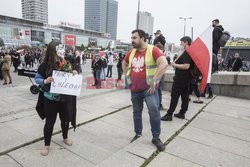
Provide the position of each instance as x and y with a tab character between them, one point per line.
224	38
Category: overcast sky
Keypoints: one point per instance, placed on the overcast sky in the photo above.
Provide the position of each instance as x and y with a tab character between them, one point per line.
234	15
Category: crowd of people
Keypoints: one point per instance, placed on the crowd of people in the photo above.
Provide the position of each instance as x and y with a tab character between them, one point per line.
102	66
31	58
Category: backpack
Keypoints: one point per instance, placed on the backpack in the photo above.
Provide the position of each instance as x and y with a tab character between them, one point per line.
224	38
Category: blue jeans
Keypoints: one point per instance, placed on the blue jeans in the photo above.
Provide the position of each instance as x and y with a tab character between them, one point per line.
152	101
98	77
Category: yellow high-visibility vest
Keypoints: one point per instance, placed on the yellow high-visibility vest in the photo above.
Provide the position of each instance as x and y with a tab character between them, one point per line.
150	63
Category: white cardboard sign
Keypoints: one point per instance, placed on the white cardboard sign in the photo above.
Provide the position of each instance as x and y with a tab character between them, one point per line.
66	83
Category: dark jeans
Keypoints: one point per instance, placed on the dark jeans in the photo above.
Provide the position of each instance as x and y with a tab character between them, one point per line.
109	71
1	74
152	101
119	71
98	78
51	109
160	92
194	87
179	88
209	89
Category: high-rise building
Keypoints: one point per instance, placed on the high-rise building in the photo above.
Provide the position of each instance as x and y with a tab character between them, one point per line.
101	16
112	18
146	22
36	10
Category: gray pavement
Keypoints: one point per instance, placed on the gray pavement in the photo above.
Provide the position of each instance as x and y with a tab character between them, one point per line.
216	133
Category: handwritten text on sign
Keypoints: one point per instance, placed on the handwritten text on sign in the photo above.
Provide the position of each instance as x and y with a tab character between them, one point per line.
66	83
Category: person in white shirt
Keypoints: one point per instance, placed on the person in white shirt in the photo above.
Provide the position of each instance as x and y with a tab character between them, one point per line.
110	65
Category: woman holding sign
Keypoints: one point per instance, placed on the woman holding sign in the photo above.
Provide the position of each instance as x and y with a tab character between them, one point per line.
53	103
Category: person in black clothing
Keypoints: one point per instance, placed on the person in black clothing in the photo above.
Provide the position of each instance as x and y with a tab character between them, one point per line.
160	88
93	60
16	60
236	62
53	103
1	63
78	61
159	38
99	66
119	68
217	33
181	84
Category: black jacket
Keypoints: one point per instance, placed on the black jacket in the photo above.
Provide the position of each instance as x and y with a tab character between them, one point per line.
69	113
217	32
236	64
160	39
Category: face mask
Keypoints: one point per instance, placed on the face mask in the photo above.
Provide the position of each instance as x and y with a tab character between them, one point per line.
60	50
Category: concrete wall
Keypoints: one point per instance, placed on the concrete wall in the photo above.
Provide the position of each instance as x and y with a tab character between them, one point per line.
234	84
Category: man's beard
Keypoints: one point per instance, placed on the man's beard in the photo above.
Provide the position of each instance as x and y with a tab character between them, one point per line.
136	46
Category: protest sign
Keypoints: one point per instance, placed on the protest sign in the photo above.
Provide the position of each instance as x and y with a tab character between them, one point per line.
66	83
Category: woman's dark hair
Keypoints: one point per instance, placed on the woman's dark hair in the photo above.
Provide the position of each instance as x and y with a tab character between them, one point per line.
141	33
50	57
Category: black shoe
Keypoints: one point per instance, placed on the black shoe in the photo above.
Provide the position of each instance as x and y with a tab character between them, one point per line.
160	146
166	118
203	95
210	97
10	82
135	138
179	115
5	83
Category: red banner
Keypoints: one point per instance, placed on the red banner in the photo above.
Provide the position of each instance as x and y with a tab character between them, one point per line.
70	40
27	32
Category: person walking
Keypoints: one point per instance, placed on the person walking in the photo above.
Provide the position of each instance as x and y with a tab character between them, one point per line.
6	69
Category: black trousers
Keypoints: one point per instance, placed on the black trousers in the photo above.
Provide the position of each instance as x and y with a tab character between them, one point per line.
51	109
119	71
109	73
179	88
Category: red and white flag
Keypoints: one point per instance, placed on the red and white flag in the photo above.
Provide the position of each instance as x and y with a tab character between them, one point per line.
201	53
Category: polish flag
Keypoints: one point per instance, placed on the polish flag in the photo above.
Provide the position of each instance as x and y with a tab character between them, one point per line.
201	53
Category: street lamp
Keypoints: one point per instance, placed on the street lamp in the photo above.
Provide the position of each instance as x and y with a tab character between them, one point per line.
185	20
138	17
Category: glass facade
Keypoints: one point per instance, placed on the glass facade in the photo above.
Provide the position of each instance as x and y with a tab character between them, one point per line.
82	40
37	35
6	32
17	32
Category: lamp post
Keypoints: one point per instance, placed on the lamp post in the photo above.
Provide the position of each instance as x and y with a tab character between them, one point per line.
138	17
185	20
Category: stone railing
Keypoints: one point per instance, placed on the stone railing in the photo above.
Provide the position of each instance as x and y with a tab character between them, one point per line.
234	84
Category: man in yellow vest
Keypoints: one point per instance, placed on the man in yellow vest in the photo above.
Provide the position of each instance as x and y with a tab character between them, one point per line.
145	65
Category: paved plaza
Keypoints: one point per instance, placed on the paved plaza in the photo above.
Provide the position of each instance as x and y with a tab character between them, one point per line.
214	134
